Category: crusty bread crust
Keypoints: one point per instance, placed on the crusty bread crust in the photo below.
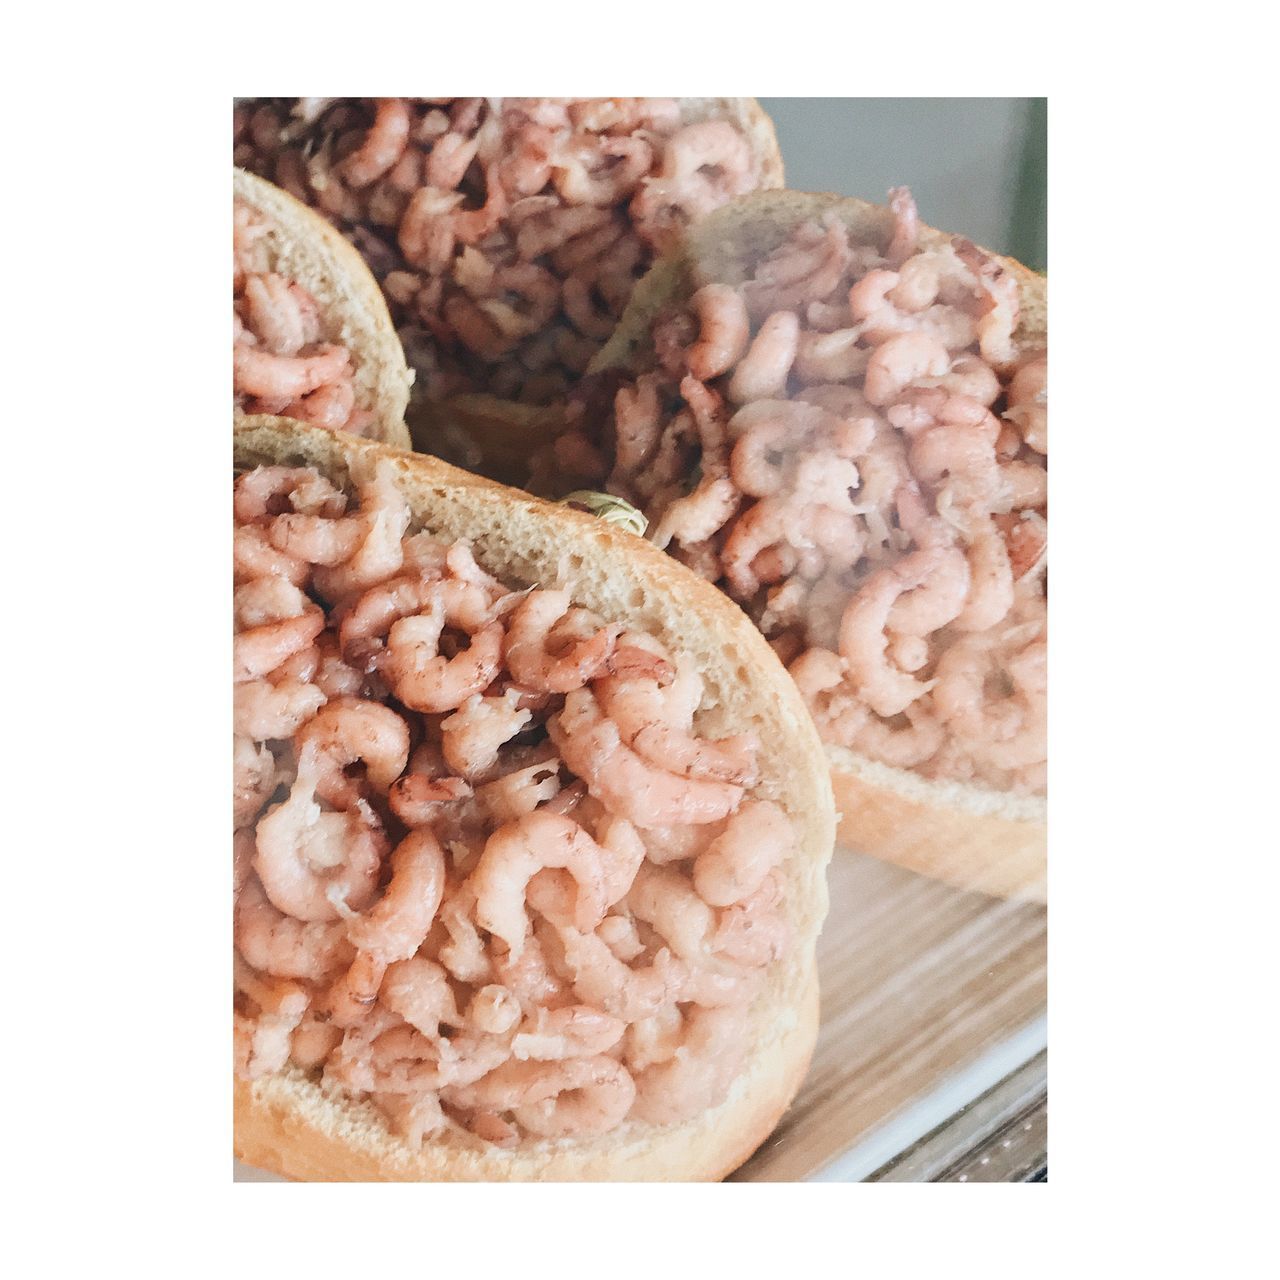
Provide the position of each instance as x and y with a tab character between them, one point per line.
506	433
306	248
973	837
290	1125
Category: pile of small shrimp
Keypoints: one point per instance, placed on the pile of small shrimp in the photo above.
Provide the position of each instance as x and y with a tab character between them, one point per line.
282	362
852	445
488	874
507	233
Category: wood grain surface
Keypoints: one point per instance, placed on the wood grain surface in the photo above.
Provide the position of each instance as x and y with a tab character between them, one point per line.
919	982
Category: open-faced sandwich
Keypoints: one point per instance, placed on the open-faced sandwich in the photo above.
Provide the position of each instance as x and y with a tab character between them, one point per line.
531	829
507	233
313	338
839	415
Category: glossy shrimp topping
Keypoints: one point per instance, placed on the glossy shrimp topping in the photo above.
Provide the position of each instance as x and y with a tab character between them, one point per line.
285	360
508	233
491	872
852	443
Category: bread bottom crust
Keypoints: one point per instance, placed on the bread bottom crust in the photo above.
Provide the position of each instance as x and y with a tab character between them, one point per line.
987	853
287	1125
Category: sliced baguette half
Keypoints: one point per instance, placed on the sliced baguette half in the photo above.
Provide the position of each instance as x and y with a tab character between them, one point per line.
290	1124
304	247
969	836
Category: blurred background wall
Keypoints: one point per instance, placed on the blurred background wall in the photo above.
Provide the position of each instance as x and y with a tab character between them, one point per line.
977	166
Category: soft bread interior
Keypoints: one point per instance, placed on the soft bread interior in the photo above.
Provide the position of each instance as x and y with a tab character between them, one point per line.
624	578
305	248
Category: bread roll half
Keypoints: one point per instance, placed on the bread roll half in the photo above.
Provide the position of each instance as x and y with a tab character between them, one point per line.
293	1125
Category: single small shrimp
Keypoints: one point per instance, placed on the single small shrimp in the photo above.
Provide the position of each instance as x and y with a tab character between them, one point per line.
522	790
754	932
653	1039
962	700
528	659
280	313
349	731
382	520
315	865
414	1117
664	898
263	1041
1026	537
696	1077
258	372
831	357
474	734
724	329
418	990
578	1097
991	574
362	635
937	601
906	226
383	145
254	777
396	925
494	1010
420	675
903	746
758	838
901	361
695	517
641	711
572	1032
958	462
515	853
599	170
265	710
254	557
626	783
862	633
314	1039
350	999
263	647
465	955
1028	401
280	945
269	491
762	373
603	981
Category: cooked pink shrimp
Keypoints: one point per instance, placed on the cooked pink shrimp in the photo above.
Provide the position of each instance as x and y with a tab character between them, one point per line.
417	800
382	519
724	330
383	145
269	491
754	932
315	865
415	1117
418	990
599	170
653	1039
603	981
624	782
578	1097
472	737
698	1076
515	853
314	1039
331	406
348	731
450	159
1028	399
280	313
762	373
526	653
809	266
522	790
423	678
901	361
758	838
395	926
938	599
959	462
1023	485
663	898
906	226
264	645
493	1010
862	633
261	373
254	776
962	699
991	593
263	1040
1026	536
351	998
263	710
641	711
283	946
905	746
573	1032
362	635
831	357
254	557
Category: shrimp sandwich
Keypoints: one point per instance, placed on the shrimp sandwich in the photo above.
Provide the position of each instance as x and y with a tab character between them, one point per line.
313	338
531	836
507	233
839	415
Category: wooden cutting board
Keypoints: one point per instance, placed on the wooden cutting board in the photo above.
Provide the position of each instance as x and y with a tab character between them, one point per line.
930	996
